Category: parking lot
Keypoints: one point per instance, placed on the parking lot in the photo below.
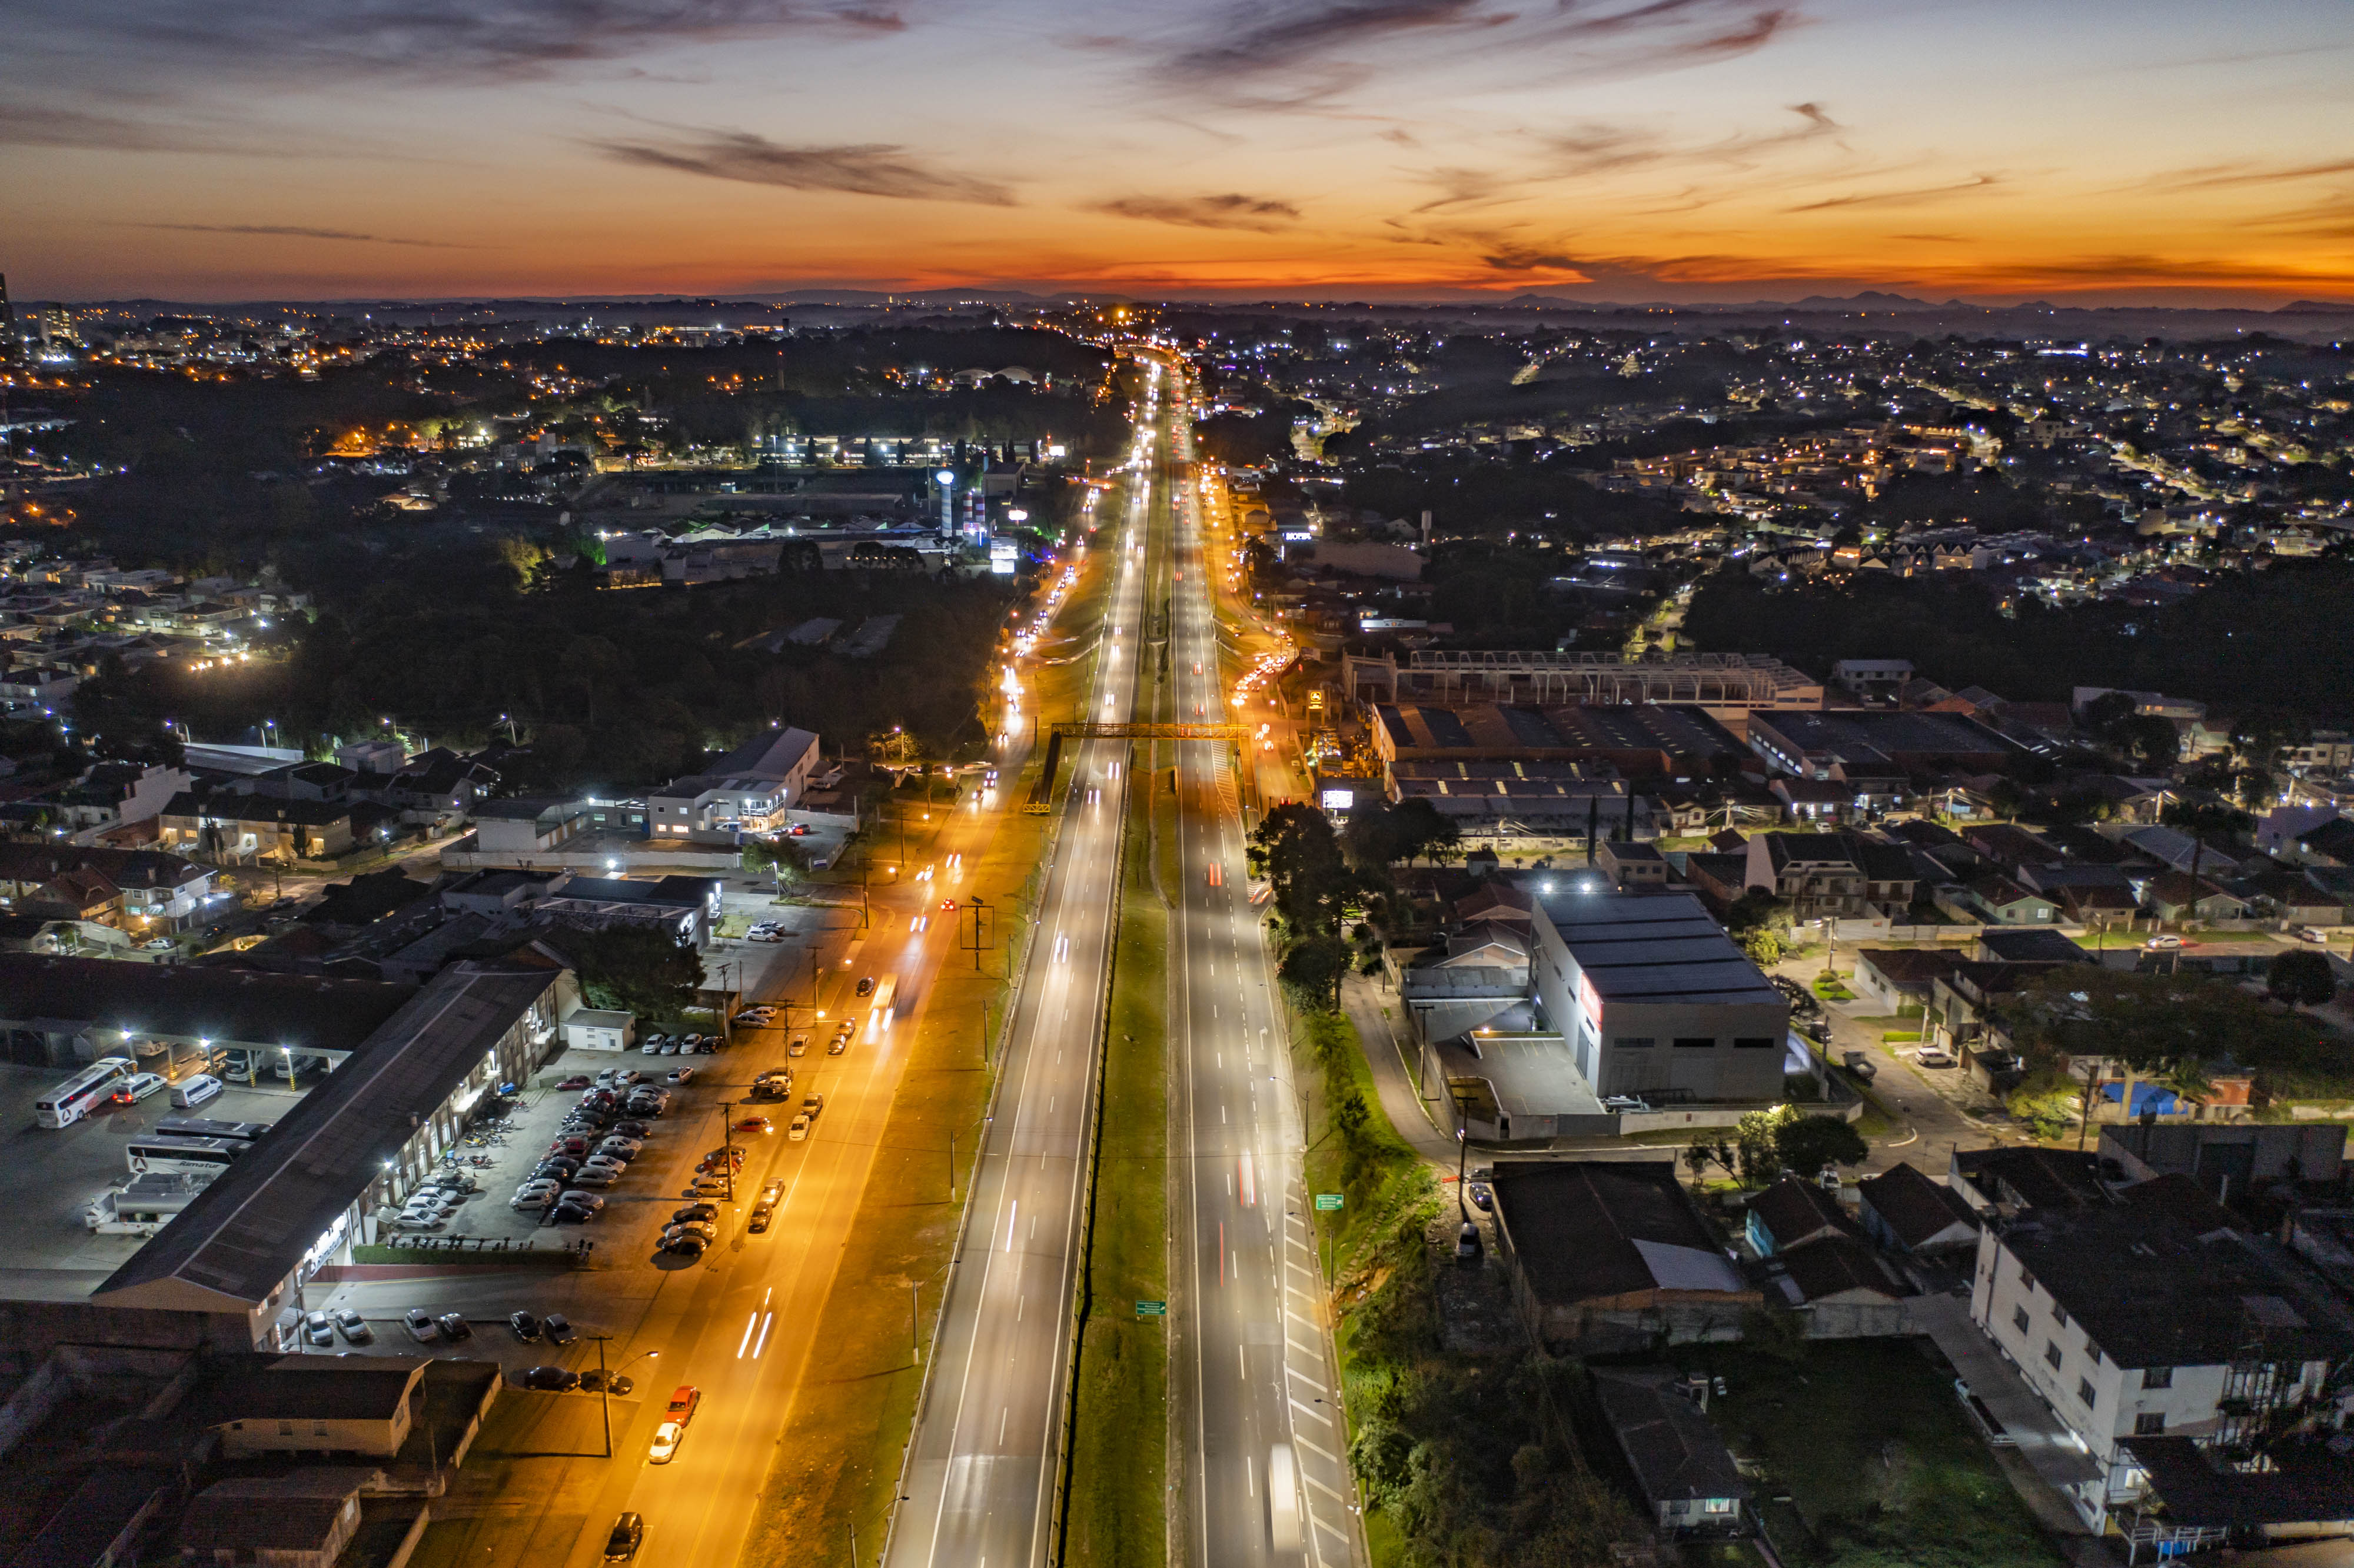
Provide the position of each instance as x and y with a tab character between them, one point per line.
51	1174
627	1278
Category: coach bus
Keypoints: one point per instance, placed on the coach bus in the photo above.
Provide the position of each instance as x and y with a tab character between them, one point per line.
181	1156
71	1100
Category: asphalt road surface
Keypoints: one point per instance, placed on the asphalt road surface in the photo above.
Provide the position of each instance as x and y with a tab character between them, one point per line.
1263	1435
980	1471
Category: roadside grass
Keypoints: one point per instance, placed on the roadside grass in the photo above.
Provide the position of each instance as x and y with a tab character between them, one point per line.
838	1455
1865	1438
1117	1502
1460	1456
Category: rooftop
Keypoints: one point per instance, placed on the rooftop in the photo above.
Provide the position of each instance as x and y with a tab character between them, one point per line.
1674	1451
196	1003
233	1247
1635	947
1593	1229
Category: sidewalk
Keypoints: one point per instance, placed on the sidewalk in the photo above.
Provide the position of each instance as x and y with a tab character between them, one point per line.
1388	1051
2049	1453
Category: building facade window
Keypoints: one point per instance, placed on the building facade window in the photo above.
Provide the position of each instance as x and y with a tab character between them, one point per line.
2150	1426
2157	1377
2084	1391
1752	1043
1632	1041
1696	1043
2051	1353
2018	1319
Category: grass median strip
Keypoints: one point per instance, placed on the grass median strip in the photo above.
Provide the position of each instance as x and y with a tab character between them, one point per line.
1118	1459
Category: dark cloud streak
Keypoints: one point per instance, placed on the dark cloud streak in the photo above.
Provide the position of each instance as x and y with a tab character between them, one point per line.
872	168
299	231
1228	211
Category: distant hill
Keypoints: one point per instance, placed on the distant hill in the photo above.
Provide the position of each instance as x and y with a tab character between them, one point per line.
2317	307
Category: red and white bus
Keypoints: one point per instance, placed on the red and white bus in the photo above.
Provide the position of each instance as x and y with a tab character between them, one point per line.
71	1100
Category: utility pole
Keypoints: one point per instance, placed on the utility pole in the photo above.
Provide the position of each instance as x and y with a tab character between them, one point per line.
604	1397
727	1142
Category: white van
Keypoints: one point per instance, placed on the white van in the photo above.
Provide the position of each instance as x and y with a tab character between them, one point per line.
192	1092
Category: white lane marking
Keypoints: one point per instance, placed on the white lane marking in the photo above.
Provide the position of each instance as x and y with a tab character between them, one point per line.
1305	1379
1242	1364
1250	1477
1311	1414
1003	1412
1010	1221
1312	1448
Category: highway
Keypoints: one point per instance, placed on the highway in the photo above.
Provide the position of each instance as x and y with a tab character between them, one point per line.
980	1476
1264	1438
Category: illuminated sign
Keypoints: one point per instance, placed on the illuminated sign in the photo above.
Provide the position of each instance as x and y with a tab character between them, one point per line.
1004	556
1589	999
1340	800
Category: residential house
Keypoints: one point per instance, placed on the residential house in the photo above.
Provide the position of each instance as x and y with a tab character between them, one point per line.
2331	843
1719	879
141	890
1840	1270
240	828
2291	896
2181	851
752	790
1898	978
1833	875
2002	1181
1793	1211
2180	896
436	782
1904	1211
341	1404
1687	1476
1606	1248
2029	946
2010	846
1630	865
304	1519
2001	901
112	793
2131	1323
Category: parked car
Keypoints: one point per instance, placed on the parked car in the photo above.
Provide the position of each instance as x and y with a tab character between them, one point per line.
535	1200
1861	1063
708	1187
551	1380
799	1047
765	1208
353	1327
626	1148
194	1091
694	1211
617	1384
2164	942
596	1176
629	1532
631	1129
570	1214
525	1325
588	1200
756	1124
319	1328
703	1228
2308	934
137	1087
454	1327
1931	1056
1481	1199
681	1075
667	1437
420	1325
576	1082
686	1246
651	1045
558	1328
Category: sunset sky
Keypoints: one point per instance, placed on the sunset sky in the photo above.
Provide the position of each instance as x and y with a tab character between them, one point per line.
2161	151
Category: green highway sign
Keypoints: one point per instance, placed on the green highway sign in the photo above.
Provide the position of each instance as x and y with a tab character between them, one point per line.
1152	1309
1327	1201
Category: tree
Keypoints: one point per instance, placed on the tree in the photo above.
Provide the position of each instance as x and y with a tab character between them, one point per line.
634	968
2301	979
1807	1143
2145	1027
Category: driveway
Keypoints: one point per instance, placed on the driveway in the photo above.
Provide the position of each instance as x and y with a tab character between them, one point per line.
1921	1101
1374	1009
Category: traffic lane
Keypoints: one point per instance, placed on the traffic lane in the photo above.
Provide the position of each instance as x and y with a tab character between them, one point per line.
1235	1244
984	1476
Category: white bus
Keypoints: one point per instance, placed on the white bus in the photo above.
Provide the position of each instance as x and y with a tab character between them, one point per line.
203	1127
71	1100
886	992
181	1156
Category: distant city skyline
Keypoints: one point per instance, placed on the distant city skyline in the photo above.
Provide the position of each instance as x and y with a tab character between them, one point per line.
1688	151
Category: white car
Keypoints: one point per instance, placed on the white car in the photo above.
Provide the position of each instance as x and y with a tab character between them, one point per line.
667	1437
138	1086
420	1325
